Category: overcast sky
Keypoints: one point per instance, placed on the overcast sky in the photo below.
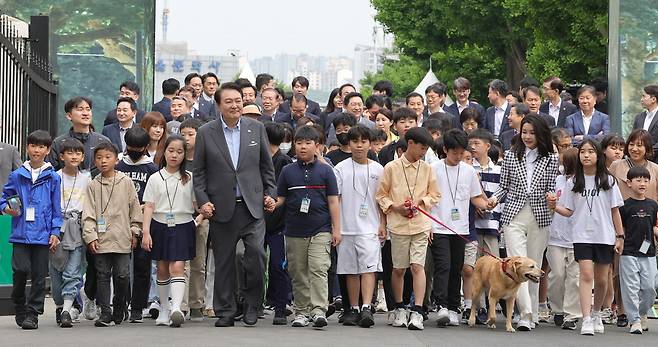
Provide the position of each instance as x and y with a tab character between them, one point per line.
265	28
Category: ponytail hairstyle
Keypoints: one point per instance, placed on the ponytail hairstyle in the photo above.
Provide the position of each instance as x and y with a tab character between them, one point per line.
602	177
185	177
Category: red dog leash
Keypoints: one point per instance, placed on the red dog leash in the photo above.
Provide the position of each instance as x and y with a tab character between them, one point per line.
502	261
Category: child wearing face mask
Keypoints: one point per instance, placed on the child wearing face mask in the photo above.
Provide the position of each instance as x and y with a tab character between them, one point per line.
138	166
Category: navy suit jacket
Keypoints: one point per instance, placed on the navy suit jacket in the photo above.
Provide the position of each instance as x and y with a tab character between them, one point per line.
208	108
566	109
550	121
455	118
598	127
454	109
111	117
163	106
490	119
312	107
281	117
113	132
638	123
506	138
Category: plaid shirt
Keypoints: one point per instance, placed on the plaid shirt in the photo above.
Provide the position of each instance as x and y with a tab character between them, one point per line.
514	186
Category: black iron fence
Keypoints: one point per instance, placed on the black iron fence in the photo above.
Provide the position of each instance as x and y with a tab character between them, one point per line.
28	93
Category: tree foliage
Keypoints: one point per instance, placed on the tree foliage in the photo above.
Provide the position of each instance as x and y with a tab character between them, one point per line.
485	39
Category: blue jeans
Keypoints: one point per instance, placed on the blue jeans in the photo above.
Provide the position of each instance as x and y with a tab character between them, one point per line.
65	284
637	276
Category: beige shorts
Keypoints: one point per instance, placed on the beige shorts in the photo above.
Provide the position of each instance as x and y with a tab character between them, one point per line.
471	253
408	249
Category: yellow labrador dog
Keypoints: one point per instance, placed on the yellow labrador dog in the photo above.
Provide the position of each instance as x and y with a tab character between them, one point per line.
502	280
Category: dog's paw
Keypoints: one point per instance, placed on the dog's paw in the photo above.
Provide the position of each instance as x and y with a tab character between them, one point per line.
510	330
471	322
492	325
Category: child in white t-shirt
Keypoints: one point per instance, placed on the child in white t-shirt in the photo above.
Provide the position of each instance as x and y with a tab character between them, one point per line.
563	277
592	198
364	227
460	185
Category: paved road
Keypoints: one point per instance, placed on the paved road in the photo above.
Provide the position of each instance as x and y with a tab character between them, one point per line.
264	334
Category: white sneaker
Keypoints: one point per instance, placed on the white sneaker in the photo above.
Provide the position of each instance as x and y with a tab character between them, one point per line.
75	315
154	310
319	321
163	318
588	326
516	318
89	309
636	328
454	318
443	317
416	321
544	315
598	323
390	318
644	323
177	318
524	325
401	317
300	321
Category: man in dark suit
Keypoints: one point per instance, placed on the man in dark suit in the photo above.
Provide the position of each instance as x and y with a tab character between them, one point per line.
126	110
495	119
10	160
647	119
206	100
435	95
462	90
298	110
300	85
127	89
532	99
271	111
169	88
234	184
554	106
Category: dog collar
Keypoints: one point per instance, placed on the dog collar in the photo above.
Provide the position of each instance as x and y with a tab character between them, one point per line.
503	266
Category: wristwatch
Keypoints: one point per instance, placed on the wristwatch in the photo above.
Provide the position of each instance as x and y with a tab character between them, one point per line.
622	236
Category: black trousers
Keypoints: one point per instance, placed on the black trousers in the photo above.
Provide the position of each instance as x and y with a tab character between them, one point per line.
117	267
141	278
224	238
91	280
387	271
448	257
29	260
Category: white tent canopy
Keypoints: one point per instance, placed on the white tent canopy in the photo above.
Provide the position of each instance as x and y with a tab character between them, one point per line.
248	73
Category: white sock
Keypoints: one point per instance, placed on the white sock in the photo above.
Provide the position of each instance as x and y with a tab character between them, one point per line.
68	303
365	307
163	293
177	292
356	308
543	305
467	303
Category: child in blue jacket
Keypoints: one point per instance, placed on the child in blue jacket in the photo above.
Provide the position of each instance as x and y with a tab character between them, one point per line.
32	197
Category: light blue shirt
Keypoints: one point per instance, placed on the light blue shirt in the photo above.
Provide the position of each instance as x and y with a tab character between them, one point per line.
232	136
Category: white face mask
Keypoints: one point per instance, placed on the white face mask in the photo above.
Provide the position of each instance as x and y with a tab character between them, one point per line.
284	147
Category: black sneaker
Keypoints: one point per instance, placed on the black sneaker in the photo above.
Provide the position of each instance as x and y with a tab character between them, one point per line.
331	309
58	315
31	322
341	317
569	324
105	320
481	317
239	313
279	317
338	303
66	321
351	317
20	316
622	321
136	316
558	319
366	320
117	315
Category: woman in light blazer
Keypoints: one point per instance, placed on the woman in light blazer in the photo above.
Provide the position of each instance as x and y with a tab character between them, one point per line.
598	123
527	176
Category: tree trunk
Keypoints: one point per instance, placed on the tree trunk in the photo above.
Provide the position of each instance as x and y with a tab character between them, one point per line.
515	64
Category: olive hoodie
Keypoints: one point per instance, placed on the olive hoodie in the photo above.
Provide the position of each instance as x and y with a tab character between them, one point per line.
116	200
